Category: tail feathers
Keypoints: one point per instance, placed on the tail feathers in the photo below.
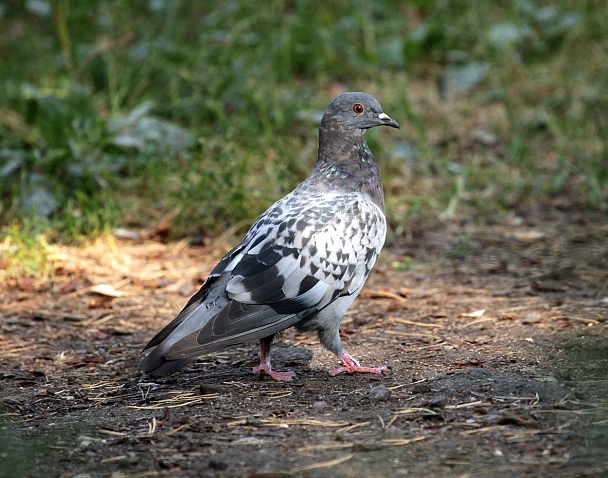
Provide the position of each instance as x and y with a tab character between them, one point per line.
155	363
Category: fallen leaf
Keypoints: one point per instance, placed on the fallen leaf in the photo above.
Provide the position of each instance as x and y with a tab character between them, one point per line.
105	289
477	313
530	235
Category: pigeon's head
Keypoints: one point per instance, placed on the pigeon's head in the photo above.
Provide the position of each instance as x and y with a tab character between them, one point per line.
356	111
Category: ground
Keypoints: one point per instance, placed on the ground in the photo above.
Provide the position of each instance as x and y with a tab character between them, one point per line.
496	337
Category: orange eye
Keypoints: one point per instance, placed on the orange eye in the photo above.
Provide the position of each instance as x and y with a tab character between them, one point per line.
358	108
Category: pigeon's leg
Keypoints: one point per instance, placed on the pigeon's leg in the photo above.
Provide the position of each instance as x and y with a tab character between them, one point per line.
350	365
330	338
264	368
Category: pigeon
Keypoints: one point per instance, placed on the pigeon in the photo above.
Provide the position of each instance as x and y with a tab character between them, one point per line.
303	261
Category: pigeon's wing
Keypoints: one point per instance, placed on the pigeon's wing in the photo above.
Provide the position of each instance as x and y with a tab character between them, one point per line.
293	265
328	250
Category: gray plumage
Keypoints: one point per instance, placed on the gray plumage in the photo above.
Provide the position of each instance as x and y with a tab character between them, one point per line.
302	263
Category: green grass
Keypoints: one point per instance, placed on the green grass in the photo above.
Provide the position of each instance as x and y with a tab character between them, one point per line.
119	113
24	251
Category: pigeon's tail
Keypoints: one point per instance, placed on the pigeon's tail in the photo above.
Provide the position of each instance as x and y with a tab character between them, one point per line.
155	363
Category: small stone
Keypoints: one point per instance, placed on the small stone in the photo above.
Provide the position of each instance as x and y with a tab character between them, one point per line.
253	422
130	462
438	401
422	388
319	404
366	447
216	464
210	388
379	394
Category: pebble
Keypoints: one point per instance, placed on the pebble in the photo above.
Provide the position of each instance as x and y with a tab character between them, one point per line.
366	447
439	401
379	394
253	422
210	388
216	464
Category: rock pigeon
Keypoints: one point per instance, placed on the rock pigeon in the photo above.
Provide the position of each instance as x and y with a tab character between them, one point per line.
302	263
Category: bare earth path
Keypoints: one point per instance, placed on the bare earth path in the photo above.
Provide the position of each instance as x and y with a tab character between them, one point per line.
497	338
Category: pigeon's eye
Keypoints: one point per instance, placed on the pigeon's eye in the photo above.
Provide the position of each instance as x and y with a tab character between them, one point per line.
358	108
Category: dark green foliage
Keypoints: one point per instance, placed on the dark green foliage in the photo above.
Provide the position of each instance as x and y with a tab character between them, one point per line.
117	113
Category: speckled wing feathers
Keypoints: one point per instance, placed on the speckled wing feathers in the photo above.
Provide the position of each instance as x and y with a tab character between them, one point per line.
326	248
297	258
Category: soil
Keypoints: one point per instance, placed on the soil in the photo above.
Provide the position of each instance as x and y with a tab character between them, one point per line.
496	336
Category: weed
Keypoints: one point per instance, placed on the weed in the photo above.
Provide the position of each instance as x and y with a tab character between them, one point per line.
23	251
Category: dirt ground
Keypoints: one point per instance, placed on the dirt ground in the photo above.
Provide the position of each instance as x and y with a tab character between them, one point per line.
496	336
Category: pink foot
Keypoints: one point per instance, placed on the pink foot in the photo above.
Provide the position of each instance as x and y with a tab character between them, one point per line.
350	365
264	371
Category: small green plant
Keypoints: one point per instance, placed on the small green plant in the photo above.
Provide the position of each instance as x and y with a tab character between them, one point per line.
405	264
461	249
22	251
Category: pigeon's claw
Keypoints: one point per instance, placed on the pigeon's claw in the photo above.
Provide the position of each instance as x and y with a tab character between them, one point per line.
350	365
264	371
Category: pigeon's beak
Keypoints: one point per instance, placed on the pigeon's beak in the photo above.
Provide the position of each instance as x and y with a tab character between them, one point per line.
387	120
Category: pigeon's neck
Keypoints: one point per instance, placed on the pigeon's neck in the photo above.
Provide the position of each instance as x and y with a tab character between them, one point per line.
345	163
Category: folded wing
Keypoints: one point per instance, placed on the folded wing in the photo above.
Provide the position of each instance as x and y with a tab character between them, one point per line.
293	262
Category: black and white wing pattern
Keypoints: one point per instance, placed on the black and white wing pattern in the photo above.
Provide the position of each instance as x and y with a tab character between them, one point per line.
304	252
